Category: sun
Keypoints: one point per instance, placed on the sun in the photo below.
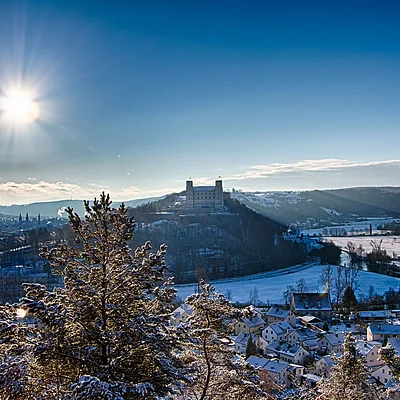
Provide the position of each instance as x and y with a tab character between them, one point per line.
19	107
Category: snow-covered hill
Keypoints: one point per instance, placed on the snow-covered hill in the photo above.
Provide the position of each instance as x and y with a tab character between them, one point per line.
319	208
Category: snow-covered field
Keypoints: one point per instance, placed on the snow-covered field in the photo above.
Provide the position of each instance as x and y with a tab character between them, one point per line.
390	243
357	226
271	285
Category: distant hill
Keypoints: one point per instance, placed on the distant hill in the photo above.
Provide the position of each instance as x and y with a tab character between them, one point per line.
324	207
54	208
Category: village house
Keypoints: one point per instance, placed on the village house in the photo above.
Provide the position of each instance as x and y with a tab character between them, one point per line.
381	331
381	373
311	321
277	330
280	371
370	351
180	315
393	385
251	325
324	365
306	337
317	304
331	343
372	316
291	353
279	314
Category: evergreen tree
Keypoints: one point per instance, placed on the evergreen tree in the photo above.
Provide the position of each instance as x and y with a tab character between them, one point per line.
216	370
349	300
251	347
349	379
106	334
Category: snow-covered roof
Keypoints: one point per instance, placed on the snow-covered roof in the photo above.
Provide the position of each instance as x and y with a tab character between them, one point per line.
254	321
372	314
327	360
284	348
276	366
364	347
180	310
243	338
306	333
312	377
278	312
334	338
393	383
310	318
257	361
270	365
375	368
312	302
395	342
384	329
281	327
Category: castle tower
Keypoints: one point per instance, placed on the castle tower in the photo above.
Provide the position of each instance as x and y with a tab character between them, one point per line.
219	195
189	194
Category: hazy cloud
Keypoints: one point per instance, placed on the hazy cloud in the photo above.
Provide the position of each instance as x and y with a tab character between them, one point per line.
329	164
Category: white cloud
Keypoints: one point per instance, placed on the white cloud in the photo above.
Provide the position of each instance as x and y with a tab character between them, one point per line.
43	190
29	192
329	164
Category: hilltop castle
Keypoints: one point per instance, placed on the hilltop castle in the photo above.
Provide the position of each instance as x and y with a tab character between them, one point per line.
208	197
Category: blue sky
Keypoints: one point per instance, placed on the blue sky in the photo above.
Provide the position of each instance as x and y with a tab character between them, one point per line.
137	96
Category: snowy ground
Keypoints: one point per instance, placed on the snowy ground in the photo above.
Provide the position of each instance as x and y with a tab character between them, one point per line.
358	227
390	243
271	285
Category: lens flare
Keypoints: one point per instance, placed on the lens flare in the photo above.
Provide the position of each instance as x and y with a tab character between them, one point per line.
21	313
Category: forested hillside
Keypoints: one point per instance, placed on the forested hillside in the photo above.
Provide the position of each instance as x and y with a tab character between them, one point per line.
215	245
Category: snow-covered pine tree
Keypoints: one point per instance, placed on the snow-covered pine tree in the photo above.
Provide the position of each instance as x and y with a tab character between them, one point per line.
14	383
388	354
217	372
349	379
105	335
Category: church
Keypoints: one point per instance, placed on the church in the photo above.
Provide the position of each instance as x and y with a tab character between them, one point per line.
204	197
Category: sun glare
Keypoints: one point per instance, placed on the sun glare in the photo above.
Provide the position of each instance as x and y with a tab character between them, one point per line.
19	107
